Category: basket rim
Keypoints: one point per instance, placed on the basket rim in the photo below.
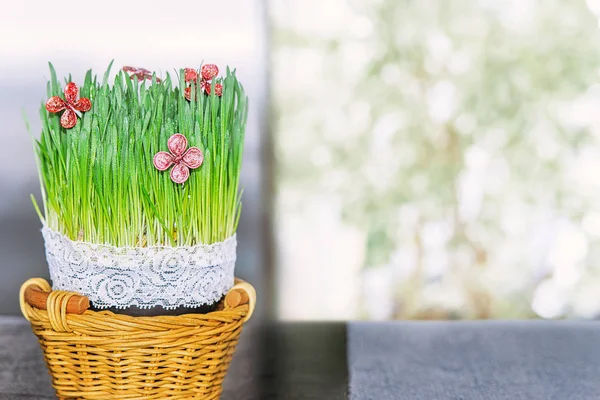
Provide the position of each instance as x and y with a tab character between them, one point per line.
246	308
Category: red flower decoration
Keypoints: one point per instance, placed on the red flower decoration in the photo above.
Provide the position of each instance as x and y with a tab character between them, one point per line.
218	89
207	73
141	73
191	75
180	157
69	118
188	93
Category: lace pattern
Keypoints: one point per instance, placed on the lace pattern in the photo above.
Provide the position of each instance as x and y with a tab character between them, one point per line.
141	276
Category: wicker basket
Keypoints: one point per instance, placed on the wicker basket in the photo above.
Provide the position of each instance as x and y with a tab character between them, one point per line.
101	355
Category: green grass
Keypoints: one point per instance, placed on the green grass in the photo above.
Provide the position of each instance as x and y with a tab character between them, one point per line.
99	183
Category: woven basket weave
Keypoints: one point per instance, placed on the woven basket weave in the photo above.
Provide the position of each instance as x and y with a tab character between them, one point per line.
101	355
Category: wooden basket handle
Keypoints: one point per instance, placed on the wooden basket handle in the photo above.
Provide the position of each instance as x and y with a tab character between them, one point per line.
35	293
241	293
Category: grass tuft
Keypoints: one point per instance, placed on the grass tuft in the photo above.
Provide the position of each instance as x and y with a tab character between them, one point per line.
99	184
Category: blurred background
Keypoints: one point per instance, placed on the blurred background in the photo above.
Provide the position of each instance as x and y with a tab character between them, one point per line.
404	159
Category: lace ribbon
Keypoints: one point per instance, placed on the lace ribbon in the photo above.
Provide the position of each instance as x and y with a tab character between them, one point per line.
141	276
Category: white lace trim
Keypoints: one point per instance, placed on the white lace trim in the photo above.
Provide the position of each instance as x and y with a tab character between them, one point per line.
141	276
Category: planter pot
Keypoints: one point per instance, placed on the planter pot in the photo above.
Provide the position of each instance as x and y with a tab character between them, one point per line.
159	310
102	355
157	280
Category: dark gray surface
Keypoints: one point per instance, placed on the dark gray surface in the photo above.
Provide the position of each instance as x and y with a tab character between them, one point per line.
527	360
22	371
533	360
303	361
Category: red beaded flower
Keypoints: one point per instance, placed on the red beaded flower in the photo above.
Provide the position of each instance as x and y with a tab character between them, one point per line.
70	104
207	73
190	74
141	73
218	89
180	157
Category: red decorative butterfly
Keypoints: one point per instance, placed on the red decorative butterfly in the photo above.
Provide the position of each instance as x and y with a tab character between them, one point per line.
180	156
140	73
70	104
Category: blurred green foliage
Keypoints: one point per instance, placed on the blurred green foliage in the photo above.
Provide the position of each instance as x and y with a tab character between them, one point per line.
459	135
